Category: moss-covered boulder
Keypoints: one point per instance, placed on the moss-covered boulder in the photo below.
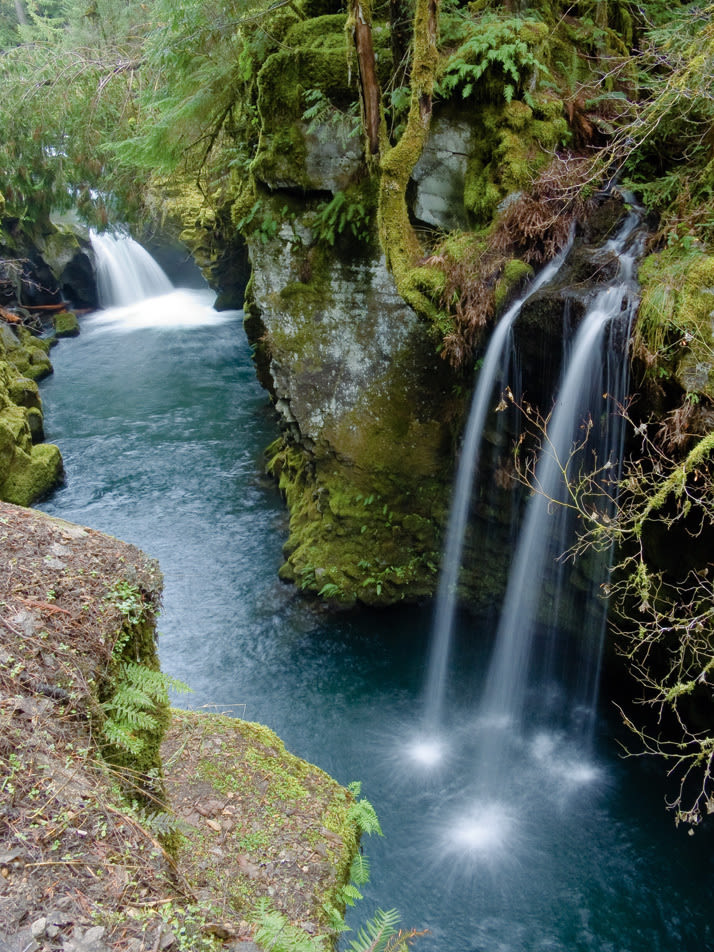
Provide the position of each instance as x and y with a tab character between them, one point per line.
29	469
66	324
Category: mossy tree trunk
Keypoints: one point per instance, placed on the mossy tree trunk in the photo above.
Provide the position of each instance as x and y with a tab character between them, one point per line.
397	236
396	163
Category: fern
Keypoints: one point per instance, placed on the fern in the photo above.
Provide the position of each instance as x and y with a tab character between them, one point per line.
360	870
499	48
120	735
341	215
363	814
274	932
376	933
325	120
140	692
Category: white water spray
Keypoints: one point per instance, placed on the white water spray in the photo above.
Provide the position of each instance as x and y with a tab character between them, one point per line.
126	272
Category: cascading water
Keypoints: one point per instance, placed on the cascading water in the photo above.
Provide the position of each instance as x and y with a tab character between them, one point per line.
498	745
126	272
580	394
492	372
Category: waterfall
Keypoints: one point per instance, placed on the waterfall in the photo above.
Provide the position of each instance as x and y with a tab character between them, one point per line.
585	379
493	370
126	272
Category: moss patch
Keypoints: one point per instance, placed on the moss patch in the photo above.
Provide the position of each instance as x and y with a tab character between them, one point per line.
676	318
359	536
256	822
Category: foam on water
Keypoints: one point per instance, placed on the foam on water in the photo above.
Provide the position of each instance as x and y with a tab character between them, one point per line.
181	307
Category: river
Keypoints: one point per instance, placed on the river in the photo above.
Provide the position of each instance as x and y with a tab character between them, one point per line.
162	426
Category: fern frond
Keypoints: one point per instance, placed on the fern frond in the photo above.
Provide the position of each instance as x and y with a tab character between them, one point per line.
121	736
363	814
376	933
275	934
360	870
350	894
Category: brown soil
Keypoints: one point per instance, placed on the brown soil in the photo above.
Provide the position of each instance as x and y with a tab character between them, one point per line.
79	870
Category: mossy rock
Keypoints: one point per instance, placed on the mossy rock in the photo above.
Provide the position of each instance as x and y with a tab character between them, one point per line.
24	392
66	324
515	273
348	541
514	145
30	476
676	318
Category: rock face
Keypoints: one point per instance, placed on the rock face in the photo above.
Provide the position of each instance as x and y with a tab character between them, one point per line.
362	399
51	265
440	174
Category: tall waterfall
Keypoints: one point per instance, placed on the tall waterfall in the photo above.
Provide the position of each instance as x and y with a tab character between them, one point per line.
491	374
126	272
588	383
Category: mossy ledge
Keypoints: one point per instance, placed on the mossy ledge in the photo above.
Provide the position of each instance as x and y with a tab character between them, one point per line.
165	847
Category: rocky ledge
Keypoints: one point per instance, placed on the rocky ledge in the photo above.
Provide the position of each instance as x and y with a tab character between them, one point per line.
125	825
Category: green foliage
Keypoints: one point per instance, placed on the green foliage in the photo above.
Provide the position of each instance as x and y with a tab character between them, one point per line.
666	149
275	934
260	222
376	933
68	88
503	51
346	213
324	117
362	813
379	934
134	709
129	602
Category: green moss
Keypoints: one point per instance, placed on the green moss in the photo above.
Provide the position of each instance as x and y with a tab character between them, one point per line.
66	324
248	767
24	392
31	475
676	317
516	142
512	277
371	537
319	32
27	472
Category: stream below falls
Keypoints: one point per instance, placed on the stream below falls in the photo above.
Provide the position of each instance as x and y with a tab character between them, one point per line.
162	426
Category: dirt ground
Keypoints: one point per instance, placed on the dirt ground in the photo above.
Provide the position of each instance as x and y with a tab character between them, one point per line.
80	869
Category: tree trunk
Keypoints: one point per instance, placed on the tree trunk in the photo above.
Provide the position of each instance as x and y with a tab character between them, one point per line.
398	238
369	83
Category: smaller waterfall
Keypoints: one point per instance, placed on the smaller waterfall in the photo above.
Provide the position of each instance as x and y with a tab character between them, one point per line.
126	272
492	371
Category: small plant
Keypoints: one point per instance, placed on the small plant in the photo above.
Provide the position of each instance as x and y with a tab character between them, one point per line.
132	709
260	221
343	214
327	121
128	600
